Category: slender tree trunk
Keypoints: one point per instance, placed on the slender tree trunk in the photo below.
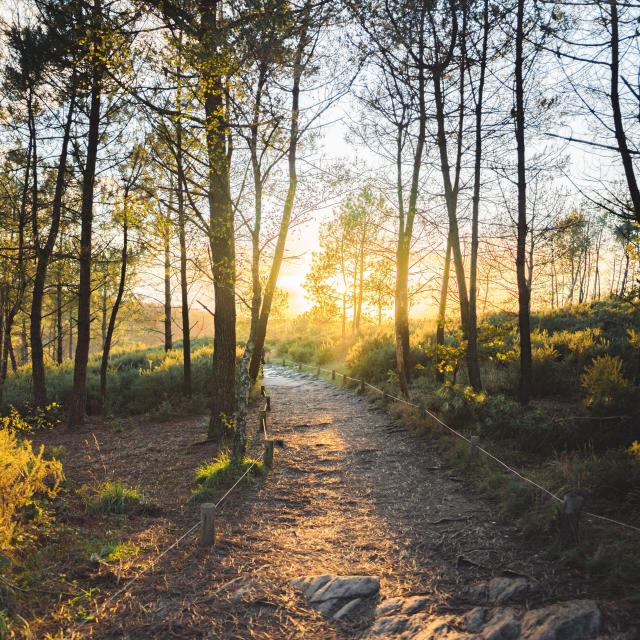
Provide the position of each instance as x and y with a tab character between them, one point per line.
43	256
103	310
59	329
168	334
621	137
70	345
182	240
442	307
104	363
12	357
405	230
524	293
78	406
272	281
472	335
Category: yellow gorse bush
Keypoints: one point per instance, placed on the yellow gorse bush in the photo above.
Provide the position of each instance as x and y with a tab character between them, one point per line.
24	476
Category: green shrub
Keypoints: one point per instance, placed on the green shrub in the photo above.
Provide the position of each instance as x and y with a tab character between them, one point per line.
605	385
25	476
372	358
115	498
548	374
223	471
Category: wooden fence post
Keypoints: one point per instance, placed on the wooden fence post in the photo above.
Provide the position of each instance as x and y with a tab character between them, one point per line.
284	362
267	458
333	374
318	372
263	422
268	405
362	386
474	441
299	366
570	520
207	524
344	380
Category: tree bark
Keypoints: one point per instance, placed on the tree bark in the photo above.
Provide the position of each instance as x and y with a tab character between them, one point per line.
278	256
442	307
43	257
621	137
168	334
78	407
524	293
104	363
472	334
221	227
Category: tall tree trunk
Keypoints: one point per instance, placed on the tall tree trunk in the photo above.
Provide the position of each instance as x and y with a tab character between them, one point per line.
285	221
472	334
184	282
405	227
442	307
524	293
621	137
43	257
168	334
59	329
104	363
182	238
78	407
221	227
70	345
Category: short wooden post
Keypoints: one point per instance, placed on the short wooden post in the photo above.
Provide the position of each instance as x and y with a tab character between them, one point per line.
570	520
385	397
263	422
268	405
344	380
267	457
474	441
422	409
300	366
284	362
333	374
263	391
362	386
207	524
318	372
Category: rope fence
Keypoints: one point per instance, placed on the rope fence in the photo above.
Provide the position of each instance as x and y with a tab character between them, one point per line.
572	504
207	515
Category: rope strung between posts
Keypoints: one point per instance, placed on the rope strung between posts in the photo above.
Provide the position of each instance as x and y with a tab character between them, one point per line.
503	464
153	563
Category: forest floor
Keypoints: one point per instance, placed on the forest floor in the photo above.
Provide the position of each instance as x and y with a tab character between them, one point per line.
352	492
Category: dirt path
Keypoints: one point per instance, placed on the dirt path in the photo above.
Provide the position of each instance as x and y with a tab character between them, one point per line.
352	492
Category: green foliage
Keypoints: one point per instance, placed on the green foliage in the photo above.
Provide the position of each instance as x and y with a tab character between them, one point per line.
547	370
114	498
606	388
139	382
222	472
26	477
371	358
5	622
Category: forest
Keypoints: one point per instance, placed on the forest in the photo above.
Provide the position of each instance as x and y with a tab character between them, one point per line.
426	210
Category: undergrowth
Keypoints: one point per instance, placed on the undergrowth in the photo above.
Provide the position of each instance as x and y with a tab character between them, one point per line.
221	473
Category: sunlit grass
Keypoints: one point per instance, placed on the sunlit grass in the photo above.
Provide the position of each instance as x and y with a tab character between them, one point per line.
222	472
